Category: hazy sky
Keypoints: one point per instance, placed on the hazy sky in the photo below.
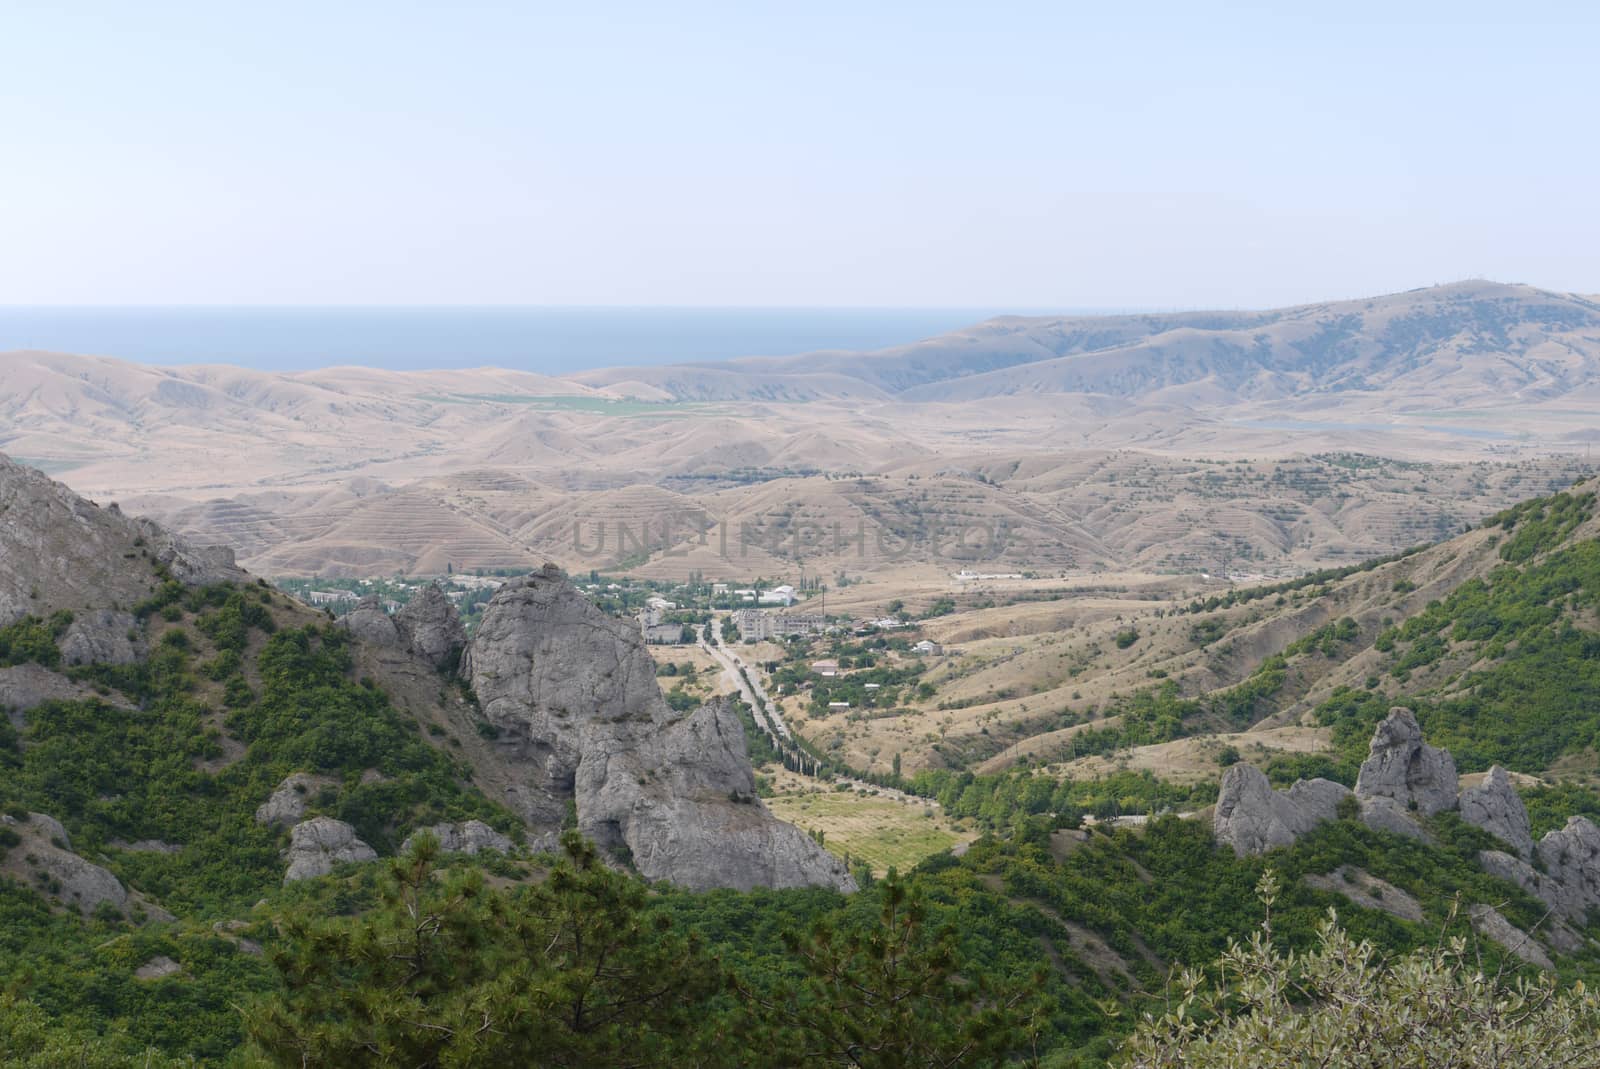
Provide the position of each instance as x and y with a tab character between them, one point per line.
994	154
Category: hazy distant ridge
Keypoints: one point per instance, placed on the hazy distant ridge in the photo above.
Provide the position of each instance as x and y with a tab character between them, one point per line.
1475	341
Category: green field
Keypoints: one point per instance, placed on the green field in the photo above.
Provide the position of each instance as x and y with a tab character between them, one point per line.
879	831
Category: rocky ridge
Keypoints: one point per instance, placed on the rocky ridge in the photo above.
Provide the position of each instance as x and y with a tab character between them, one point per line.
1403	780
572	697
63	552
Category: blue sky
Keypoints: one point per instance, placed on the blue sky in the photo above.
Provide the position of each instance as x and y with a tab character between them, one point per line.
997	154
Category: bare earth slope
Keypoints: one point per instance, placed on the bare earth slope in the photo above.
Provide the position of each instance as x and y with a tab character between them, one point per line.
1046	444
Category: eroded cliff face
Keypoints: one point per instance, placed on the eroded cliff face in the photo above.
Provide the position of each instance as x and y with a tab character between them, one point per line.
63	552
573	696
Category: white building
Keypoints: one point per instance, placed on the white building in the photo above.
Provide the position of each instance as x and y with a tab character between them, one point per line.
757	625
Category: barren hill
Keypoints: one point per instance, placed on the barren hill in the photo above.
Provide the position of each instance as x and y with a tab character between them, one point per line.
1471	342
1092	441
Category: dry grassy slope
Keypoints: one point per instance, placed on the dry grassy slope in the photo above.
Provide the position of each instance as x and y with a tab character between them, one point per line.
1012	688
1045	513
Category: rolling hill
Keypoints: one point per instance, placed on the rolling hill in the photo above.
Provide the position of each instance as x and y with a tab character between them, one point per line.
1094	439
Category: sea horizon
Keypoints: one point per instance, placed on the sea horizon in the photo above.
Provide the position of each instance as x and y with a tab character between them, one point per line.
547	339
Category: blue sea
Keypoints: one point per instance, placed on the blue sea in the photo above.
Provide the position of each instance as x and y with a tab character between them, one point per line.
548	340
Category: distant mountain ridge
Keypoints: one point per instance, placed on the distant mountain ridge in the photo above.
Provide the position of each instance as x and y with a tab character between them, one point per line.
1496	337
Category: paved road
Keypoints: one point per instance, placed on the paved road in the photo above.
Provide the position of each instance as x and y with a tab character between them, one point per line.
768	715
750	691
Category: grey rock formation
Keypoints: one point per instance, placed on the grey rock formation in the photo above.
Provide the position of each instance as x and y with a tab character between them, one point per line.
1402	767
1570	882
469	837
369	623
1251	817
573	693
1495	806
1504	866
1368	892
1381	813
1489	923
430	625
1318	799
156	968
59	551
318	844
1571	857
45	856
49	829
288	802
100	636
24	686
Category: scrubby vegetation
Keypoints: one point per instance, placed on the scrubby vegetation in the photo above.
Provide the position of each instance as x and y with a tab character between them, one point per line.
1052	941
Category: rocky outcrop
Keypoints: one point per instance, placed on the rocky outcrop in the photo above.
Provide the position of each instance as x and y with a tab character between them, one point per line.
428	626
101	636
1368	892
469	837
1382	813
59	551
580	718
369	623
288	801
318	844
1251	817
157	968
1402	781
44	859
1401	766
1489	923
1403	778
24	686
431	627
1571	858
1495	806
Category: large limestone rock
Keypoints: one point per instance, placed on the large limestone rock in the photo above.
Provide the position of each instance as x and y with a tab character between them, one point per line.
318	844
580	716
44	858
1571	858
59	551
1368	892
469	837
1318	799
369	623
1382	813
1504	866
288	801
1495	806
24	686
101	636
1251	817
1401	766
1489	923
430	625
